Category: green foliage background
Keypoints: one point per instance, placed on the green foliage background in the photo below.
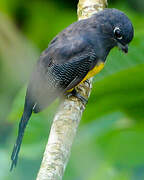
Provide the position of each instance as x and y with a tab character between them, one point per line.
109	143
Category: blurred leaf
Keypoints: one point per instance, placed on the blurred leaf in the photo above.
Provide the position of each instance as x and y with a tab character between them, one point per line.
16	58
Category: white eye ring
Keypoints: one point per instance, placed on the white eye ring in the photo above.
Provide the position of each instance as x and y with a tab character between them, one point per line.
117	28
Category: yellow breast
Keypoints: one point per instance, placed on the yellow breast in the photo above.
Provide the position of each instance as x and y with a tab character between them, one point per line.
91	73
94	71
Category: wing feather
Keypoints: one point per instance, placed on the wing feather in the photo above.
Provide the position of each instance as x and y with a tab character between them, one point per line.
62	66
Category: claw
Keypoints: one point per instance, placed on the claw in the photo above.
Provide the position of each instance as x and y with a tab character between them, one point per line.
79	96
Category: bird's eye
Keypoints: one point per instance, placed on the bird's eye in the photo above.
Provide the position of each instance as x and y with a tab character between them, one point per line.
118	33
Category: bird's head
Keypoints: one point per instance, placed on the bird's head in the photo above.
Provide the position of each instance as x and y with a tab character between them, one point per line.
123	31
117	27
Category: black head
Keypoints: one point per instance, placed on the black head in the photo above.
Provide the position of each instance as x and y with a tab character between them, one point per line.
117	26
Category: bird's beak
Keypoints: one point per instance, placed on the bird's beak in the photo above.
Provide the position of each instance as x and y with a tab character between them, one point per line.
124	48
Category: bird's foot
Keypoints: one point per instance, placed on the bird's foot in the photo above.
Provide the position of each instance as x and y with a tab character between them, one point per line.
78	95
88	82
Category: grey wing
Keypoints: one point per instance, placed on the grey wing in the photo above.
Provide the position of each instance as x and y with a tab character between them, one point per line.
56	81
71	43
62	66
71	74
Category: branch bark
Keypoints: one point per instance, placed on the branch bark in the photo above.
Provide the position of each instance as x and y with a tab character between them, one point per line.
67	118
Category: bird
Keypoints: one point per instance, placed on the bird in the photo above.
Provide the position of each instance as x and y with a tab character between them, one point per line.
73	56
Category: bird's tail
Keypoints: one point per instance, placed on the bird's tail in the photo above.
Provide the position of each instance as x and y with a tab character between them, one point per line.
22	125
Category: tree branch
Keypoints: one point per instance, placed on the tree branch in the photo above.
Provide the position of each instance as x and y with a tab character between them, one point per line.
67	119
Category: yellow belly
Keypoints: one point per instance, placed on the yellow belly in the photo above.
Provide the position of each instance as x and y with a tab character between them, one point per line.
91	73
94	71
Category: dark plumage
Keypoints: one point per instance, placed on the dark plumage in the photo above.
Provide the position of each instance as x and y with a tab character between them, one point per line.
69	58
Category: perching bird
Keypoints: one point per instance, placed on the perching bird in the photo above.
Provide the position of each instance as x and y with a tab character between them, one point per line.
74	55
